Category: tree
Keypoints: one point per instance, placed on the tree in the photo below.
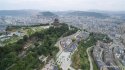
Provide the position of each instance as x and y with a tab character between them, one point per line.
25	37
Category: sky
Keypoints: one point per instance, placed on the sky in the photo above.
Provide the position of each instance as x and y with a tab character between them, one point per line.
63	5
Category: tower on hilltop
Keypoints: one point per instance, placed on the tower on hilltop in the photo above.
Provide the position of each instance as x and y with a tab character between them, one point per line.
56	22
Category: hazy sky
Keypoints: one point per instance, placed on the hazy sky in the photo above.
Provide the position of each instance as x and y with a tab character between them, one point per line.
60	5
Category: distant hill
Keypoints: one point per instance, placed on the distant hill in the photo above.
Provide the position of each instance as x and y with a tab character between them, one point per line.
50	14
111	13
47	14
17	12
26	13
90	14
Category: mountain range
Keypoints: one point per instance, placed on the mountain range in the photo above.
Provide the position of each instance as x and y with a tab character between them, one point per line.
98	14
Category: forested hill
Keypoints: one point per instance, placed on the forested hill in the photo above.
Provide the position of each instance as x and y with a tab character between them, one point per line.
14	56
89	14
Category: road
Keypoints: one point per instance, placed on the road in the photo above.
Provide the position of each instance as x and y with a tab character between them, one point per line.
63	38
64	58
90	59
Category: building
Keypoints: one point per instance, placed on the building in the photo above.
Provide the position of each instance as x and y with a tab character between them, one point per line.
56	22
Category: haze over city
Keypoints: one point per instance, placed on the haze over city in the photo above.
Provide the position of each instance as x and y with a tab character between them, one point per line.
62	34
63	5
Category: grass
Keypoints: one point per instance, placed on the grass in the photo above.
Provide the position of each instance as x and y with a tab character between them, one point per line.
26	30
80	58
12	39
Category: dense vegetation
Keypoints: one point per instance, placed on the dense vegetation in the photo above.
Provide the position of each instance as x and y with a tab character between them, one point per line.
71	31
42	43
0	33
80	58
11	28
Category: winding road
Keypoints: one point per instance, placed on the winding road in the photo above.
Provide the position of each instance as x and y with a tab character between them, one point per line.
89	57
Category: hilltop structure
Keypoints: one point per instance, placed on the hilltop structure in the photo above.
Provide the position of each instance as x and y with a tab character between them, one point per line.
56	23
